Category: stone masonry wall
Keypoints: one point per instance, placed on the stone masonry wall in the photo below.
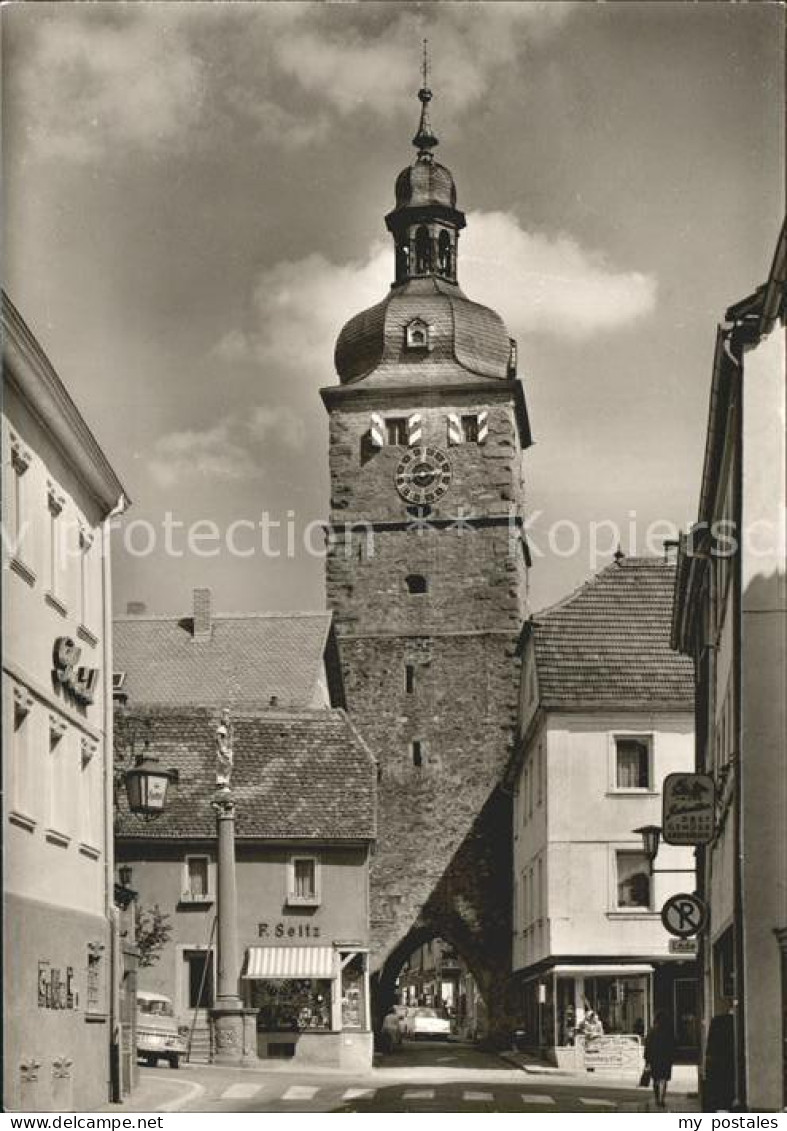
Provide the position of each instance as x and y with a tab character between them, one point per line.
442	862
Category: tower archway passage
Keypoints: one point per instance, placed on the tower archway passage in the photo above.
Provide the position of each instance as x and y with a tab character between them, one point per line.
426	463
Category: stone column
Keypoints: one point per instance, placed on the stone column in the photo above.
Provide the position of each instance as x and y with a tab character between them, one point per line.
231	1033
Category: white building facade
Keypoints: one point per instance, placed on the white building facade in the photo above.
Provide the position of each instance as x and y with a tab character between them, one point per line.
605	715
58	493
731	618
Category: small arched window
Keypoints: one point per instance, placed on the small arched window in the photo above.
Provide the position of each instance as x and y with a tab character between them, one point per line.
402	261
444	255
423	251
416	583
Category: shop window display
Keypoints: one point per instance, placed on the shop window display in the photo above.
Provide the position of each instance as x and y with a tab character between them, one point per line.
292	1005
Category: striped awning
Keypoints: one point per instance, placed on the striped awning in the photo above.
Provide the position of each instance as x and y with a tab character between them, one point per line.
289	962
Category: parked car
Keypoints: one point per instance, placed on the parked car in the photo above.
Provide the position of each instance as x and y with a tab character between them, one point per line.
158	1037
422	1021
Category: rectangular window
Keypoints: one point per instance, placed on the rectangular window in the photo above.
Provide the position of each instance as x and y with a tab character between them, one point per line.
525	791
415	749
85	578
470	429
396	430
304	881
196	879
57	555
59	783
409	678
18	532
632	763
633	879
90	801
540	775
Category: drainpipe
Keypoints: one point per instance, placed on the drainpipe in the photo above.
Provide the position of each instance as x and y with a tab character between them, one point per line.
737	801
109	800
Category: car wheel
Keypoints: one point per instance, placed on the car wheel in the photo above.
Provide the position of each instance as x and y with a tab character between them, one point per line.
174	1061
151	1060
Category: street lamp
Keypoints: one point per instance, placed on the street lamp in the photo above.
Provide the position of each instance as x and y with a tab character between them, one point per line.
651	839
147	786
138	771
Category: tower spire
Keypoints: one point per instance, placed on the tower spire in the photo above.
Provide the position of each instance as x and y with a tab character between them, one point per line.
425	140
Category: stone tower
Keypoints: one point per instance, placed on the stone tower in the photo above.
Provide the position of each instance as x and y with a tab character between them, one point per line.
427	577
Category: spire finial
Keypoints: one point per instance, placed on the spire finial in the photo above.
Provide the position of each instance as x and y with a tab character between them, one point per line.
425	140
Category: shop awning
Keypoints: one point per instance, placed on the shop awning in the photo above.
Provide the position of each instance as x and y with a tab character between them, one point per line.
617	969
289	962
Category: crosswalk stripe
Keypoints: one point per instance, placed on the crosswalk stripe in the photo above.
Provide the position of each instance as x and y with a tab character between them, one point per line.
300	1092
477	1097
421	1094
358	1093
241	1091
596	1103
534	1098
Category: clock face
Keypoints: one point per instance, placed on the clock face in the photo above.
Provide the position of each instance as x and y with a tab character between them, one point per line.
423	475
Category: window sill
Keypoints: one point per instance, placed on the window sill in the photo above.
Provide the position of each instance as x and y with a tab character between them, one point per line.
89	850
303	901
633	791
96	1018
632	913
62	840
196	900
22	819
84	633
22	570
56	604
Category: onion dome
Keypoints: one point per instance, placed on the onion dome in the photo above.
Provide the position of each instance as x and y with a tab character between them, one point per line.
457	339
425	183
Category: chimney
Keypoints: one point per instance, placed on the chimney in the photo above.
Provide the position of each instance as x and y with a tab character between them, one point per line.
202	621
136	608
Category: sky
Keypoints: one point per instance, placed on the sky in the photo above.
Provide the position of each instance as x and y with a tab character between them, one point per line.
194	203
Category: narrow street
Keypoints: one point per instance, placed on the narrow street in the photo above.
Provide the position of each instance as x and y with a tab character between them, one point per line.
420	1077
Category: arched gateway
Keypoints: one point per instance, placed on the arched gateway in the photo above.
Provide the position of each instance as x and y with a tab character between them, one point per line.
427	577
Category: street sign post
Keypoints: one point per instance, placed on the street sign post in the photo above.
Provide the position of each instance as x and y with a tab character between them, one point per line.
688	809
684	915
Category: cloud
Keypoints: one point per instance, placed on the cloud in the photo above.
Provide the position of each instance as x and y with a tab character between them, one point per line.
90	77
539	284
235	448
370	60
544	285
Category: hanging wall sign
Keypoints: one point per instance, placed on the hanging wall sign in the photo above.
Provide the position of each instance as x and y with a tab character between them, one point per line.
688	809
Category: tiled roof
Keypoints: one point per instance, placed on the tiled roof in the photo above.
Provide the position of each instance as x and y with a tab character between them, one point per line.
247	661
302	775
609	641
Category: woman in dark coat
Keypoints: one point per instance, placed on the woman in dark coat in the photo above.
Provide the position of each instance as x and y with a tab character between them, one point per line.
660	1055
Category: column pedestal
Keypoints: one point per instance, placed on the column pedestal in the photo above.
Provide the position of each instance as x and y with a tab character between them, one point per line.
234	1035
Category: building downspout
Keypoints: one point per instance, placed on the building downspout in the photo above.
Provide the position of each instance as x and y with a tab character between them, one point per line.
738	925
109	799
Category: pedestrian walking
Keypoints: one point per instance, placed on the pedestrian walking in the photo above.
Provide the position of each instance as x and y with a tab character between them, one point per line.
660	1055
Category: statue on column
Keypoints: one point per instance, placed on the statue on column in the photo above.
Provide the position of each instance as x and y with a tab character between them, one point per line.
224	752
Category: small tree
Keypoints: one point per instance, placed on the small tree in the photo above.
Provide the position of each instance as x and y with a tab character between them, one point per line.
153	933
